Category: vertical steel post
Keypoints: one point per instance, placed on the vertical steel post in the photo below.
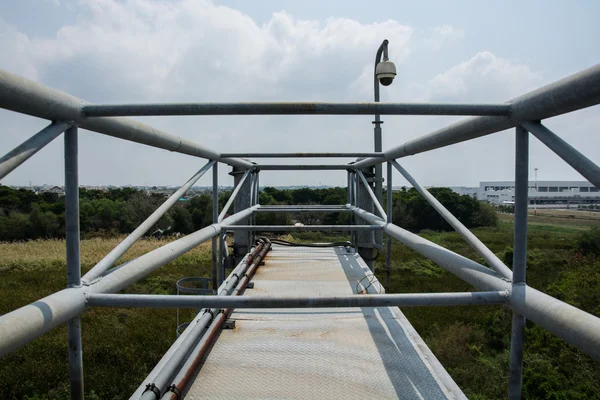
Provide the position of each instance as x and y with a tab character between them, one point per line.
215	239
519	260
388	238
73	260
242	239
366	239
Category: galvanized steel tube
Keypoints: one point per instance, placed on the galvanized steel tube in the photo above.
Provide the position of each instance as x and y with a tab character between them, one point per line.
134	236
28	97
473	241
367	300
301	155
301	108
73	259
388	238
290	167
303	228
28	148
519	259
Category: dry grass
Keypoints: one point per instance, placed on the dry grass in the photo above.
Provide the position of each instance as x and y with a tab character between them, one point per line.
42	254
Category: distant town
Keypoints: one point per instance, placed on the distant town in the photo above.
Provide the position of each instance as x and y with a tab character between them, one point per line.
544	194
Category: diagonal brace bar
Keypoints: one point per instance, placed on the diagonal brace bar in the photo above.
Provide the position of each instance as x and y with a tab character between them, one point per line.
232	197
373	197
28	148
564	150
473	241
133	237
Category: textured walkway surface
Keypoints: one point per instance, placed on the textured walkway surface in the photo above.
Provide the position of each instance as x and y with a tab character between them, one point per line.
343	353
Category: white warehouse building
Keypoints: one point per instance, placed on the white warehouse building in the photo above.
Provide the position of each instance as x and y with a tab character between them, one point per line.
543	194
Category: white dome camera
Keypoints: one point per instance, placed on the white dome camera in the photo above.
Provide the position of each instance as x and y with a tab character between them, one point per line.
385	72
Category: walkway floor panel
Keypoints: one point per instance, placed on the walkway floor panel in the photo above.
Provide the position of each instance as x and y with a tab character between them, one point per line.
346	353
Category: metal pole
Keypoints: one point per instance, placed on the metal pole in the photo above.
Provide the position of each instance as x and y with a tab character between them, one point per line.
73	260
364	300
301	167
303	228
28	148
296	108
366	239
377	136
519	261
388	238
215	209
300	155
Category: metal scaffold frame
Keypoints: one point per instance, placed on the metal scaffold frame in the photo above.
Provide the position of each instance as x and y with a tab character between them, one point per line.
497	284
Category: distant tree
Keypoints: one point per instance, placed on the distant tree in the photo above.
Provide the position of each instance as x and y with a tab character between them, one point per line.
182	220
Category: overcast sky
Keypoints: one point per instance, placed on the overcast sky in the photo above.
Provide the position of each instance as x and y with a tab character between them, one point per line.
107	51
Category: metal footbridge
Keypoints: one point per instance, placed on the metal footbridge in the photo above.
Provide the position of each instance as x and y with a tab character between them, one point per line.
296	322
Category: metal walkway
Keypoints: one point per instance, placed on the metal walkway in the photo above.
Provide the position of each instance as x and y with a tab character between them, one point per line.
347	353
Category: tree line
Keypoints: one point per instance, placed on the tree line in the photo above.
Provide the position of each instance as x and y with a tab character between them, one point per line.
26	215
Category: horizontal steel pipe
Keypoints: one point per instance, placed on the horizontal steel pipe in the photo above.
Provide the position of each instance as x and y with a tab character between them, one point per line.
301	155
470	238
572	93
577	327
293	210
306	108
282	167
367	300
24	324
304	228
564	150
28	97
130	240
28	148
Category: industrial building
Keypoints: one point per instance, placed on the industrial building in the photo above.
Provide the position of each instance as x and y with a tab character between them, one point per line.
542	194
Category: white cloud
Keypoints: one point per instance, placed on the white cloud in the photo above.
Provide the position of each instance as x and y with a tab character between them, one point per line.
188	50
485	78
442	35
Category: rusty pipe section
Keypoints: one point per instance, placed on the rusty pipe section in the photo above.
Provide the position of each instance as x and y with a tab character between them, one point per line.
156	382
189	368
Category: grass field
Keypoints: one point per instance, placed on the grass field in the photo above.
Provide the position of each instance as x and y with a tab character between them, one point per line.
121	346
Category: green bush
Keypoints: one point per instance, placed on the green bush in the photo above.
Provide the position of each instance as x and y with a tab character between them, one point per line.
588	242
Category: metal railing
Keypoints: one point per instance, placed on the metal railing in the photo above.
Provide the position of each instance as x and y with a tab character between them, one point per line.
498	284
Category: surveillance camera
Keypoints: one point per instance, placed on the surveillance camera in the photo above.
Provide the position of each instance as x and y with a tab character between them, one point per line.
385	72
